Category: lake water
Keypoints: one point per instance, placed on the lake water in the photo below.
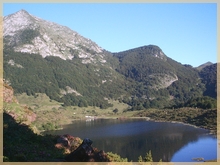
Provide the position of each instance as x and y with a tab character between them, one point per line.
131	138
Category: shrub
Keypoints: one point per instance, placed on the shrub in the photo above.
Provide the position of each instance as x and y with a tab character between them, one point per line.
115	157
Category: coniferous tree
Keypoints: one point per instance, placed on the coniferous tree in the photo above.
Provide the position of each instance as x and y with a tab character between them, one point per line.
140	159
148	157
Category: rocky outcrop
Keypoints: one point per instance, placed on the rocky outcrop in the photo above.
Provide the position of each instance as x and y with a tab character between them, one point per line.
8	94
29	34
20	113
163	80
86	153
68	142
80	151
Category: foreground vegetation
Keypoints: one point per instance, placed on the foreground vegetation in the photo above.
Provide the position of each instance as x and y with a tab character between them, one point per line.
22	144
23	141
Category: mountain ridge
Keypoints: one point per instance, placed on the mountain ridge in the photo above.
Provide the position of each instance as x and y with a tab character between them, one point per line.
46	38
42	60
154	50
200	67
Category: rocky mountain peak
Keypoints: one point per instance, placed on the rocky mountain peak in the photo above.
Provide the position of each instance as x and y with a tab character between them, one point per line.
23	13
29	34
16	22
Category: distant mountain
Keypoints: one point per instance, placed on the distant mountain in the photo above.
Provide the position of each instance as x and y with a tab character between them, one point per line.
44	57
147	64
200	67
160	81
208	75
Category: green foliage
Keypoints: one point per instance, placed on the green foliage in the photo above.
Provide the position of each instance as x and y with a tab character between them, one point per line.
51	74
209	78
144	70
115	157
28	35
49	126
139	64
24	37
204	102
35	76
148	157
135	77
5	159
140	159
20	112
199	117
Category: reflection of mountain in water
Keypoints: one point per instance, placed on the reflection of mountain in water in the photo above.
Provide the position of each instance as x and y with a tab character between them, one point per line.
164	140
132	138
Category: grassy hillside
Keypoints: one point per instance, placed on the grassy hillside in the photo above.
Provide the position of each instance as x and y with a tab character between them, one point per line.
52	115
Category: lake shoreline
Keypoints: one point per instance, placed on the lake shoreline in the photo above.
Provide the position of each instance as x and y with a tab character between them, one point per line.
90	118
149	119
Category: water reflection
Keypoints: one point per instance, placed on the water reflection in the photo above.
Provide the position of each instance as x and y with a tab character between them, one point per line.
132	138
196	148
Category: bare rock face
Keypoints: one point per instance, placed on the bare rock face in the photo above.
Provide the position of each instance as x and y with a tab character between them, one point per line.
29	34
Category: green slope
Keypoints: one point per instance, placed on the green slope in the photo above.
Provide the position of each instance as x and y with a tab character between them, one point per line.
143	77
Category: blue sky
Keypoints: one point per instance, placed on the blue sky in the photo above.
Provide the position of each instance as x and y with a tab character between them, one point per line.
186	32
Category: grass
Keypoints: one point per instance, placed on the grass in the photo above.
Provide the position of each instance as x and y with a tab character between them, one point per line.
22	144
39	101
52	115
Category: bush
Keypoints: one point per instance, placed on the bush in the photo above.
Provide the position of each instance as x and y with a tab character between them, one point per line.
49	126
115	157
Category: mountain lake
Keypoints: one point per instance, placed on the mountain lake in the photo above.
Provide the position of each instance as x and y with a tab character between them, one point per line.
130	138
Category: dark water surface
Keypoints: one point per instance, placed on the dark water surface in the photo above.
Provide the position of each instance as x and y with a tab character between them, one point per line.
131	138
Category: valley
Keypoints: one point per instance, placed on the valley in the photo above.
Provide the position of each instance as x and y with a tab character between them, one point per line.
80	73
51	115
55	77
